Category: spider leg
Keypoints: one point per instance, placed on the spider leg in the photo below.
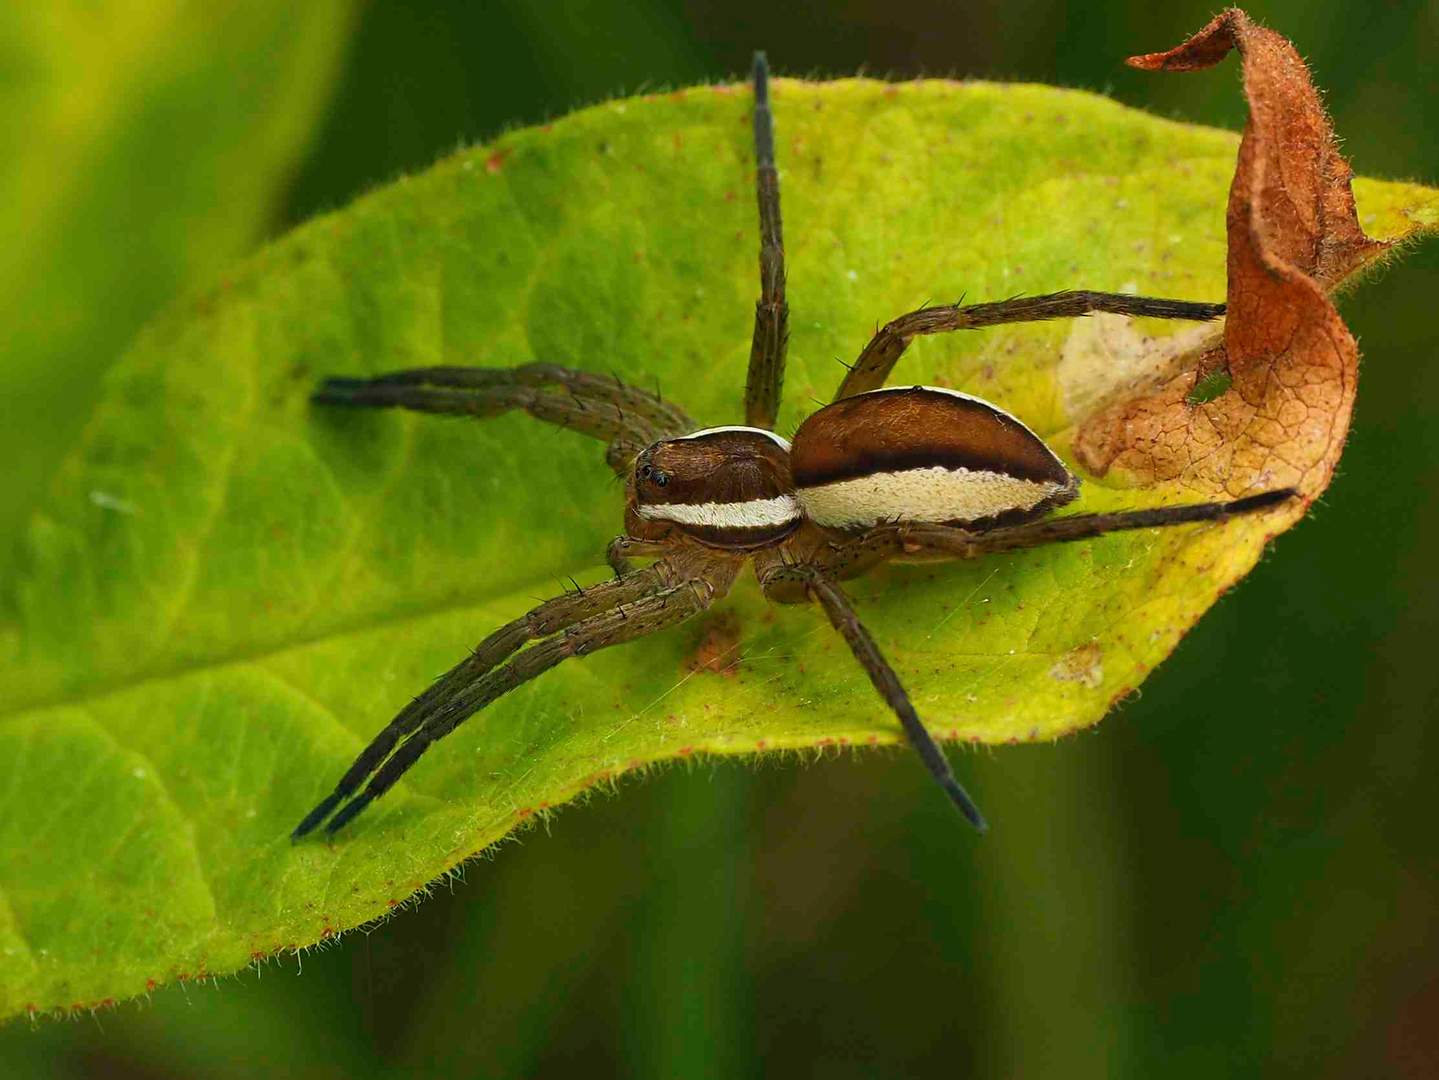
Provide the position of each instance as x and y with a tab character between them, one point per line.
626	417
467	695
771	312
879	357
551	617
898	540
843	618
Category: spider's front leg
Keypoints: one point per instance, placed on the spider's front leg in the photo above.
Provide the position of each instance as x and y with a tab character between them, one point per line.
782	581
877	360
626	417
570	625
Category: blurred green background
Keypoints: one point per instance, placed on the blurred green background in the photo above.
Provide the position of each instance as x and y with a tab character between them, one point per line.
1235	875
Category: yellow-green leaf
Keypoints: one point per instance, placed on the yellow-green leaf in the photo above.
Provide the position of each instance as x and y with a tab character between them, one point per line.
230	591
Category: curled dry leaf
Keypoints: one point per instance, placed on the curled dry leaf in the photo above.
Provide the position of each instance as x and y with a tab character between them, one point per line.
1293	235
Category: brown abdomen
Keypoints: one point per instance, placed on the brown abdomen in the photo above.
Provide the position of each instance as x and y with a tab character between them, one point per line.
923	454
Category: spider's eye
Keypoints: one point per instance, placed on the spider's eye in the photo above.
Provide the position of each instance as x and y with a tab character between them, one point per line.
661	479
645	471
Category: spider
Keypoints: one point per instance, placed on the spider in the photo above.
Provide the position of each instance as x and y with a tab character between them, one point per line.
880	474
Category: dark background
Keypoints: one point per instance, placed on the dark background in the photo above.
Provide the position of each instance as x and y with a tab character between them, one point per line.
1235	875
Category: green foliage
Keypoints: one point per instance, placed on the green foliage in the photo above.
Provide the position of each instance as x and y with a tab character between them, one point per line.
143	148
228	592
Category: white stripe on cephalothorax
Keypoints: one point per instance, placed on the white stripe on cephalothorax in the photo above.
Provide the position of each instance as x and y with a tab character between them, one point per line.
783	442
930	494
752	514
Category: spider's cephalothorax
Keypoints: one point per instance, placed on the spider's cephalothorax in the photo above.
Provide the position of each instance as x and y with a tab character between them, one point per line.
728	487
877	475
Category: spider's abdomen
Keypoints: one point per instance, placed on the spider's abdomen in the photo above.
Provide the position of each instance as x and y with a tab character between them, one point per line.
923	454
729	486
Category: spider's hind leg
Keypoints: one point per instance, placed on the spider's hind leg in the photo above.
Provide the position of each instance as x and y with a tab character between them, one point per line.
625	416
877	360
911	539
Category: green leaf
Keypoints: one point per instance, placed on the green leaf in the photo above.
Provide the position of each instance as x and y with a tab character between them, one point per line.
144	145
229	592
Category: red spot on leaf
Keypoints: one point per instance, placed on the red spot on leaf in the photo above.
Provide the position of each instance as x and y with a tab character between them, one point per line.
496	161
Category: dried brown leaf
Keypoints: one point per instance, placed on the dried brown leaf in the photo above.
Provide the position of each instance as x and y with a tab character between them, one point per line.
1293	235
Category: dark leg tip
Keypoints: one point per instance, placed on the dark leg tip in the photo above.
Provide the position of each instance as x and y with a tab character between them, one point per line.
1263	500
338	391
314	817
966	806
347	813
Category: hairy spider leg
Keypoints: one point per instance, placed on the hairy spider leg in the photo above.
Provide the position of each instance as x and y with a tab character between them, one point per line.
623	623
626	417
898	540
888	344
551	617
771	313
843	617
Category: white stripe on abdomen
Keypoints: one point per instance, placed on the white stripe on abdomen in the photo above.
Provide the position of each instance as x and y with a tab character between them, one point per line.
753	514
931	494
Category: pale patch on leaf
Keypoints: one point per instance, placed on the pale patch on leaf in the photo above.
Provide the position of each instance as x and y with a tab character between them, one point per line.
1107	356
1083	664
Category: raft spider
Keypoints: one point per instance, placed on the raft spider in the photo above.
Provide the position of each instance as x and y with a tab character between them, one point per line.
881	473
